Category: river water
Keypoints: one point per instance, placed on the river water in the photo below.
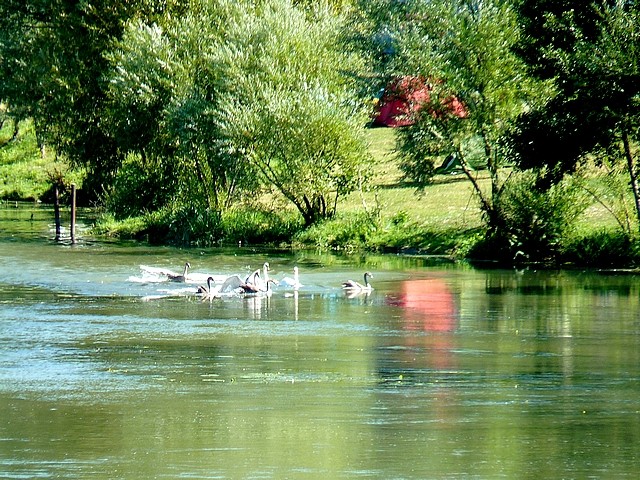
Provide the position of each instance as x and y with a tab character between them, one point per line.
442	371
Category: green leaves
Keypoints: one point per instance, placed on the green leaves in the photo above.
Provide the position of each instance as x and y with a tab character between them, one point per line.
233	88
291	110
465	50
592	52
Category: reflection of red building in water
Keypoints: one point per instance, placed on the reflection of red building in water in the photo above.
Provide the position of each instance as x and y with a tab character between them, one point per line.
428	305
425	359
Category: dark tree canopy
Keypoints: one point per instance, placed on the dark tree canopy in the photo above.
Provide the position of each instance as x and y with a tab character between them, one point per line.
553	24
52	67
589	49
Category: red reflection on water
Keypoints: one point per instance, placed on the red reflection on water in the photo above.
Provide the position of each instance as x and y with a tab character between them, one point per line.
428	305
429	318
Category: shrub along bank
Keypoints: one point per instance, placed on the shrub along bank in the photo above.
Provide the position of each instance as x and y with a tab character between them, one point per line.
585	222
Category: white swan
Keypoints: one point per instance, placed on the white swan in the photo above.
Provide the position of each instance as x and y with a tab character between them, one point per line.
207	290
353	286
291	282
256	279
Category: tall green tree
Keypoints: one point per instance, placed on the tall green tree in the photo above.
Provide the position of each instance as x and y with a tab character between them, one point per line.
50	64
464	50
52	67
235	93
592	52
164	93
294	112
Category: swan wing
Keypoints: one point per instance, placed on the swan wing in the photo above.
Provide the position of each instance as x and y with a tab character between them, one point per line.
250	278
351	285
231	283
256	279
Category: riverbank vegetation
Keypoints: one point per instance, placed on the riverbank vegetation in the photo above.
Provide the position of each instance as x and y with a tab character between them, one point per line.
207	121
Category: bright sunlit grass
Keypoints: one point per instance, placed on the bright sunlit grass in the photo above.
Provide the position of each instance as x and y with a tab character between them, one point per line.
23	171
447	204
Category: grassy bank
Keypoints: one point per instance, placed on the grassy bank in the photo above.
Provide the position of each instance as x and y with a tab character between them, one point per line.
25	173
445	218
390	216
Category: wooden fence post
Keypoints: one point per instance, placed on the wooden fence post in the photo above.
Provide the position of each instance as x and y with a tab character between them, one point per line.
56	210
73	213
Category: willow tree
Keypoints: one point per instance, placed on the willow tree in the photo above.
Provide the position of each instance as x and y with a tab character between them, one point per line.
464	50
50	65
165	90
236	93
292	110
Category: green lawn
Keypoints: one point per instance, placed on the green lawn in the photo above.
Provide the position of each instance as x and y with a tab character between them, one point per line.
23	172
447	204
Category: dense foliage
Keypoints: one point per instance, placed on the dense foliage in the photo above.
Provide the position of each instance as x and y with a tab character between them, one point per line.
52	66
187	112
592	53
292	111
466	51
154	96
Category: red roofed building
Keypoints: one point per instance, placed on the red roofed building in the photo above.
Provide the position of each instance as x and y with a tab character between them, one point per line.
404	97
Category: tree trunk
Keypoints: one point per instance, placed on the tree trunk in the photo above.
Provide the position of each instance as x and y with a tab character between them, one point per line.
209	196
485	204
308	212
633	175
56	210
496	223
16	130
39	138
